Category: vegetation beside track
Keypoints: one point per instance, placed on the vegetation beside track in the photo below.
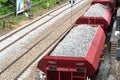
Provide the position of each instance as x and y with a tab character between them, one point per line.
38	6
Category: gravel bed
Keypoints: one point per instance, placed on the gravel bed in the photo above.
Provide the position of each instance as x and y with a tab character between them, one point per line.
118	12
96	10
104	67
18	45
76	42
14	48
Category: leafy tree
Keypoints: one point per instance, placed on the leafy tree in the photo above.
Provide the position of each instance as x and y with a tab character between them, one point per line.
1	6
3	1
6	9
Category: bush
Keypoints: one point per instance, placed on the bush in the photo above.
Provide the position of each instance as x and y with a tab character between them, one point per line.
1	24
49	3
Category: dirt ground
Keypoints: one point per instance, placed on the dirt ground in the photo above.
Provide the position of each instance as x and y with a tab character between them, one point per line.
114	69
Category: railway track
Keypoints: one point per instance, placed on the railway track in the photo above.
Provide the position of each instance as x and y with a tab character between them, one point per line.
21	33
30	27
32	51
24	28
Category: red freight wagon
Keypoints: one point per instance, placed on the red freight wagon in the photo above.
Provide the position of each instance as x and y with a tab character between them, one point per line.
97	14
74	68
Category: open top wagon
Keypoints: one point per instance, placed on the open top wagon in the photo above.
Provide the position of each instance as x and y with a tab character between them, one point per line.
76	56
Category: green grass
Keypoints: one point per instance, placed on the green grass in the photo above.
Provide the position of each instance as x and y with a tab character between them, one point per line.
14	19
36	9
1	24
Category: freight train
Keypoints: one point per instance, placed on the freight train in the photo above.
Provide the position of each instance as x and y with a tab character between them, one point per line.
79	59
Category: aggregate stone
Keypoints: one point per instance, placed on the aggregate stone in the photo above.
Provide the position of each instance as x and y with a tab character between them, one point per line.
111	77
96	10
76	42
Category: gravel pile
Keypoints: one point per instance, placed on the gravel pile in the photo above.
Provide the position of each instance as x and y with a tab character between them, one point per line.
96	10
76	42
111	77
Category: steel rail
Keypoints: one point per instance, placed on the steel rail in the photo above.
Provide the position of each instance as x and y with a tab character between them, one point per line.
33	28
34	21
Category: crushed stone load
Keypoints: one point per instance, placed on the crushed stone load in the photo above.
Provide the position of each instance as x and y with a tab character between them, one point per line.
96	10
76	42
